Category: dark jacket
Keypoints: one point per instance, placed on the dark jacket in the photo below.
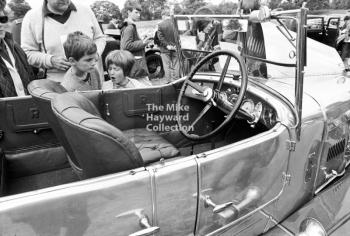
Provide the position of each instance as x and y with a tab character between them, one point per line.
7	88
130	40
166	35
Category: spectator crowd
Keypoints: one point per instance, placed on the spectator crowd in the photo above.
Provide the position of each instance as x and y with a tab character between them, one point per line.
63	41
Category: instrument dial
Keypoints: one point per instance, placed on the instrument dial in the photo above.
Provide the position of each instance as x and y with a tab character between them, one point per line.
258	110
248	106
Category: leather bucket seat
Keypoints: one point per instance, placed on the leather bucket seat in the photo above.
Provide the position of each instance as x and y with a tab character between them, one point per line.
43	91
100	147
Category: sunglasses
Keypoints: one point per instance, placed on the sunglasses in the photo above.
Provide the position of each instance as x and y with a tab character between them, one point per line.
4	19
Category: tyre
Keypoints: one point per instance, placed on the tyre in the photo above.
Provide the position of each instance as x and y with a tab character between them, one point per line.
155	66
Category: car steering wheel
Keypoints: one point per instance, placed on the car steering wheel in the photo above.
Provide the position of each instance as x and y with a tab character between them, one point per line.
212	97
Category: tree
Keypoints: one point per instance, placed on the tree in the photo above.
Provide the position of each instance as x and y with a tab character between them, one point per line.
151	9
226	8
190	6
177	8
105	11
340	4
274	4
317	4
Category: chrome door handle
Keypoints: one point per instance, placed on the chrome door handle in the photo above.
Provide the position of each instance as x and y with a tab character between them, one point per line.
216	208
147	229
144	223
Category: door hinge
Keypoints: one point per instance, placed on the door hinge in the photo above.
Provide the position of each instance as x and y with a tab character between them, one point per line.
291	145
202	155
1	134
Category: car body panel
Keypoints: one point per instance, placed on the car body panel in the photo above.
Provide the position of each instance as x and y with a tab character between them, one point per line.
108	205
85	208
330	208
330	65
175	196
243	164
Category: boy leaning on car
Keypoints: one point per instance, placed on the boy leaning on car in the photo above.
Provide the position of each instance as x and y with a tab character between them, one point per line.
15	71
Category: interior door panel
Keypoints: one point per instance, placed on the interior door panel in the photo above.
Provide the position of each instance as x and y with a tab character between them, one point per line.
29	145
123	105
23	124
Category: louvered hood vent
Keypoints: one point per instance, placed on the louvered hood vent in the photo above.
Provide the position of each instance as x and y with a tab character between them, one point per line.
336	150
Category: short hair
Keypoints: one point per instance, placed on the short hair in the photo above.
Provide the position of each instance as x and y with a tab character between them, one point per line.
19	8
201	24
130	5
122	58
78	45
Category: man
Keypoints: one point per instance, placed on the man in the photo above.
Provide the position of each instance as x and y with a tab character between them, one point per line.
131	41
45	29
167	46
15	72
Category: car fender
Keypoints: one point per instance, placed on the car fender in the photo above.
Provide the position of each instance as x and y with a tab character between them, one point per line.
331	208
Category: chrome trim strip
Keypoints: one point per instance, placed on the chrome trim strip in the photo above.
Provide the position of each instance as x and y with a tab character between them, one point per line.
199	184
152	176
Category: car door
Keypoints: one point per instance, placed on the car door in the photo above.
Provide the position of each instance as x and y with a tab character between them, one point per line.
315	28
238	182
160	200
332	31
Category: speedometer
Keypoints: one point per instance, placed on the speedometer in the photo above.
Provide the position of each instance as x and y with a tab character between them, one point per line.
248	106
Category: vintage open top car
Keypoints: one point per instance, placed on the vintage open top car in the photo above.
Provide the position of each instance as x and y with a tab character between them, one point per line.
252	141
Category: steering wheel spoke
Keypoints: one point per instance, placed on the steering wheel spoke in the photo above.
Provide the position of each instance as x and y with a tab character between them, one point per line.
202	113
223	73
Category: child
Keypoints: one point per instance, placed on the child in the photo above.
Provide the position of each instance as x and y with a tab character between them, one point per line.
119	64
81	52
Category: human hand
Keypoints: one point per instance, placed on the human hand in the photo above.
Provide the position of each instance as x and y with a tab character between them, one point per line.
147	40
217	48
201	36
60	63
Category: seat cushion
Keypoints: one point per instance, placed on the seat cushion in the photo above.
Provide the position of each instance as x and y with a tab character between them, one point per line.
152	146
